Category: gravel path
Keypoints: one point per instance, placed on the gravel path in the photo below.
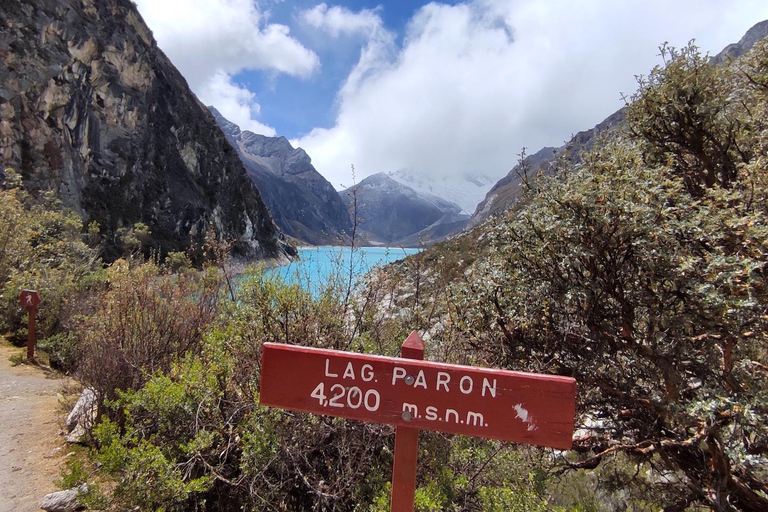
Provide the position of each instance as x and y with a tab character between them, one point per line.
32	451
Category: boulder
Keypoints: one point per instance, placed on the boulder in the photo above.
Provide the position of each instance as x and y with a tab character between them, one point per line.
64	501
86	402
83	416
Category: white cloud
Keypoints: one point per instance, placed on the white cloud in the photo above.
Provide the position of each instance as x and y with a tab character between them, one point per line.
212	40
475	82
338	20
376	53
235	103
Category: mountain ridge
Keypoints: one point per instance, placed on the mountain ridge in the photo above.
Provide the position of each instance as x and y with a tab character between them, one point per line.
303	203
466	191
508	189
388	212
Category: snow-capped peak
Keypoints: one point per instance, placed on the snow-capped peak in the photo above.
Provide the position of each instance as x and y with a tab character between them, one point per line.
466	191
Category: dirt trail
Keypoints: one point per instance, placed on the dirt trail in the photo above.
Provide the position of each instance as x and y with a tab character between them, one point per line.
32	451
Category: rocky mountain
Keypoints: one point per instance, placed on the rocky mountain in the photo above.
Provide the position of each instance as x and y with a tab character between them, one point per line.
92	109
466	191
734	50
509	188
303	203
391	213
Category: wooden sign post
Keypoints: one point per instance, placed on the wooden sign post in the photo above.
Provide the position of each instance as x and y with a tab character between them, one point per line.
406	443
413	394
30	300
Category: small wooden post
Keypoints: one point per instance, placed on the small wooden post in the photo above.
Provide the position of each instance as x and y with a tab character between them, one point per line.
30	300
406	442
31	334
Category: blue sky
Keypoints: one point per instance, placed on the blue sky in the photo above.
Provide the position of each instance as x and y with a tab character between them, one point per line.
295	106
441	88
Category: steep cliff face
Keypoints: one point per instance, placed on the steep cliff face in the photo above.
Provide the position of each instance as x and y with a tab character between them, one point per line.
389	212
91	108
303	203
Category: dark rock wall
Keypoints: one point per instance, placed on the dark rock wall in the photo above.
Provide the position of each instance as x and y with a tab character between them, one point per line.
91	108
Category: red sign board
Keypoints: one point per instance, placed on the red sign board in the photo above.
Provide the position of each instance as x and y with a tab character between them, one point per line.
29	299
498	404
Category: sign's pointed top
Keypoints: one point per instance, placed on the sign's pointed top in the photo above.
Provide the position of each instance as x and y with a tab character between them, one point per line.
29	299
413	347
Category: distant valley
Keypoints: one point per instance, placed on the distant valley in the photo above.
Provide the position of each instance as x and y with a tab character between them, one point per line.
303	203
388	212
398	208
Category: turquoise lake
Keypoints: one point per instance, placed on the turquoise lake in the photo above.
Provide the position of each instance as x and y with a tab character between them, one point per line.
317	265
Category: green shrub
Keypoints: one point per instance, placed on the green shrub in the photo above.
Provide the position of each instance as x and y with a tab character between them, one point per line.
42	248
141	324
644	278
62	350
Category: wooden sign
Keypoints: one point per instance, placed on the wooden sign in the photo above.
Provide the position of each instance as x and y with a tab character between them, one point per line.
498	404
30	299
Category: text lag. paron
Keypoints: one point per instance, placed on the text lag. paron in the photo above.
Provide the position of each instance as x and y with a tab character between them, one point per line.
498	404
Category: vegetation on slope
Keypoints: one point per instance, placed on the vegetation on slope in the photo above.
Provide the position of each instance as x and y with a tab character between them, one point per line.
640	271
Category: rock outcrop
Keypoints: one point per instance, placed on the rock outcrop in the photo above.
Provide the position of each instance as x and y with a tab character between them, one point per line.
91	108
735	50
82	418
303	203
509	188
389	212
64	501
